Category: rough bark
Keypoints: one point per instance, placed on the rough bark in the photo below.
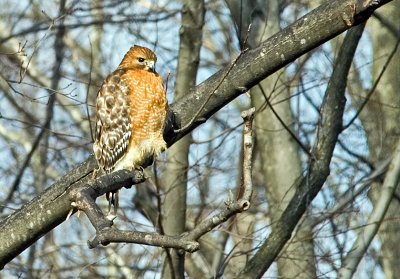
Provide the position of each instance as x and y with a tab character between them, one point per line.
306	188
43	213
278	150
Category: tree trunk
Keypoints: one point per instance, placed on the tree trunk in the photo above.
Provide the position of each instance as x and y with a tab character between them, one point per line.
381	120
175	176
279	152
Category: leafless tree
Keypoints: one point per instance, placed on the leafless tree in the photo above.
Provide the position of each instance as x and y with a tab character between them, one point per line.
308	184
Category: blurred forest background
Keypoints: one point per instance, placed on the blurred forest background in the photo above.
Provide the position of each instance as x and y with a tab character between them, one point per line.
54	56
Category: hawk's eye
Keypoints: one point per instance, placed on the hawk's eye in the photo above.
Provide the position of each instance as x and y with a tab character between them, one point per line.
141	59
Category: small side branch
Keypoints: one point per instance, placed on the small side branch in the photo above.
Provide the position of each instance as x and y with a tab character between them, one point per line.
248	117
109	235
84	199
83	196
198	113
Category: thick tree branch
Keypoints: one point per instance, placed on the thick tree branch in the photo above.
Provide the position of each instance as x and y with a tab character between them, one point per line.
308	186
84	198
45	212
310	31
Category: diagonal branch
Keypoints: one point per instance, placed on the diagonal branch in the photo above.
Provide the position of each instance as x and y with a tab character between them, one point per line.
84	198
50	209
308	186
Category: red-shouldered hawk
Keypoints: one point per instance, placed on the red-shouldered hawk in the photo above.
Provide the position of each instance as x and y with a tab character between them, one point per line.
131	114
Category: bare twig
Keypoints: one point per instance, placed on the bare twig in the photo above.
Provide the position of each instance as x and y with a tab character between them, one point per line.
88	90
106	19
19	51
317	26
367	233
49	110
248	117
375	175
309	185
154	239
243	46
302	146
21	171
84	199
193	119
24	69
375	85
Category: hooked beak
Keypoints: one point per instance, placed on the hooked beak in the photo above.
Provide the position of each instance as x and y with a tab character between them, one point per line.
150	65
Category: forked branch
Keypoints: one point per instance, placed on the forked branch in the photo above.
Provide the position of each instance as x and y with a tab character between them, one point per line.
84	199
